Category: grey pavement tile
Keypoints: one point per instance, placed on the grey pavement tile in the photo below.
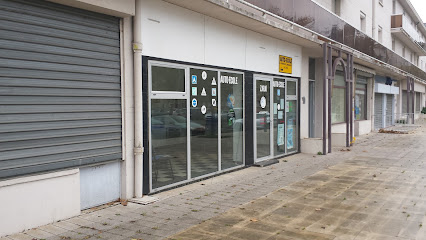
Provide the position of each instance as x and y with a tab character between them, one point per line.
53	229
66	225
74	235
79	221
146	236
39	234
123	232
109	236
20	236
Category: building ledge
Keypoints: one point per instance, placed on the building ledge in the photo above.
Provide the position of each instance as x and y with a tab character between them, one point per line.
403	36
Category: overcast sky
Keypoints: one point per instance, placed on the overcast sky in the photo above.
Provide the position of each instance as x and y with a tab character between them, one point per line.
420	6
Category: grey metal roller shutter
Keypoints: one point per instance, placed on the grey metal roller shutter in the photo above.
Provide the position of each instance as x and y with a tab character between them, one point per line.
404	102
378	110
389	110
60	96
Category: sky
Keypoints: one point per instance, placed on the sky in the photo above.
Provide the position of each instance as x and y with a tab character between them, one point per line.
420	6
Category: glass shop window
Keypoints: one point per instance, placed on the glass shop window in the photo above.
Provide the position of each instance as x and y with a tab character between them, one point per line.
338	99
361	98
232	120
168	79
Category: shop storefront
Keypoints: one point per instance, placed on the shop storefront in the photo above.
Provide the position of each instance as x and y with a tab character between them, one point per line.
196	122
275	116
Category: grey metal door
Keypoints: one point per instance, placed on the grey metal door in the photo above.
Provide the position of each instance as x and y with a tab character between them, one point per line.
378	110
60	96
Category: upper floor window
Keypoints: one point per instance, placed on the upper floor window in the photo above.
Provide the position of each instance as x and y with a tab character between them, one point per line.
394	7
363	21
403	52
380	34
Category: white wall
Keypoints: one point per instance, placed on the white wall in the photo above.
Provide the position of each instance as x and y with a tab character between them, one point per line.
304	93
33	201
99	184
184	35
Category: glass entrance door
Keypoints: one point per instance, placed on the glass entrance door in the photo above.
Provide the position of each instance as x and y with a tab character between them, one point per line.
291	109
263	118
278	92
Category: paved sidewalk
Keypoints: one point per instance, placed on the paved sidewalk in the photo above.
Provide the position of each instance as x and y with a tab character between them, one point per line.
374	191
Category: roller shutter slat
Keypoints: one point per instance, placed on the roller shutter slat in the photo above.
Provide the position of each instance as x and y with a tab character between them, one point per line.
29	73
46	100
35	117
38	126
58	42
55	58
59	133
64	68
39	91
8	23
378	111
45	151
62	157
60	12
61	51
8	146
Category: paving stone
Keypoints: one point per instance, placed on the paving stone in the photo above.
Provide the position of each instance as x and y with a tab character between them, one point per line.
53	229
66	225
20	236
40	234
365	193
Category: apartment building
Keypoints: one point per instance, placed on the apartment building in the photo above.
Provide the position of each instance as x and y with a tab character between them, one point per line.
105	100
397	26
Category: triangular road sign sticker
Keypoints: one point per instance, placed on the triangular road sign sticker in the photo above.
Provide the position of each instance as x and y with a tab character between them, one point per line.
203	93
214	82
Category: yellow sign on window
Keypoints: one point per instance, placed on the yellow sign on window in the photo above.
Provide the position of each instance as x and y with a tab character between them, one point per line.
285	64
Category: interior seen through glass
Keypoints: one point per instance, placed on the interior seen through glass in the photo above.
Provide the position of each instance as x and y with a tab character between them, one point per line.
232	121
279	116
204	122
169	123
263	120
169	141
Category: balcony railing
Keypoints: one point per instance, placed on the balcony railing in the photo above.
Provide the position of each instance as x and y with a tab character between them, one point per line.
400	21
312	16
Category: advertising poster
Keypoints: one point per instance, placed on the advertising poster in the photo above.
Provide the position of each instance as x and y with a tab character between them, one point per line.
280	135
290	142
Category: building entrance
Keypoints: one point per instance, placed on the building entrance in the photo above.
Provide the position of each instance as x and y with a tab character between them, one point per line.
276	117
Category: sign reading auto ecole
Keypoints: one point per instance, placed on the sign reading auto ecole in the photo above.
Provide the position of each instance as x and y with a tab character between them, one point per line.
285	64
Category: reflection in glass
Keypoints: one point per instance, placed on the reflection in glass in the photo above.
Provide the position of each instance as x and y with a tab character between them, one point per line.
338	99
263	130
279	117
292	128
291	88
231	119
168	79
361	99
204	126
169	141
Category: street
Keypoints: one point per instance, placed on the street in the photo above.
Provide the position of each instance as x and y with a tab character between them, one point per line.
373	190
